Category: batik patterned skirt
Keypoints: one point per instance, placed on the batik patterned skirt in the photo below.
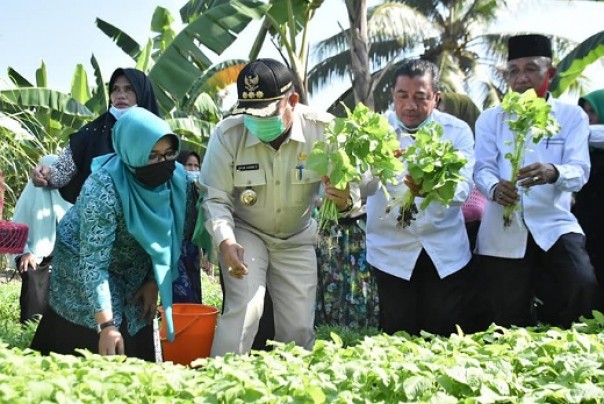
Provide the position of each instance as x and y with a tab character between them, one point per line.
347	290
187	287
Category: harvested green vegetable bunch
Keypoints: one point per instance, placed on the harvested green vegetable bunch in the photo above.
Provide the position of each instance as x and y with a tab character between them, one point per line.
532	120
362	141
435	166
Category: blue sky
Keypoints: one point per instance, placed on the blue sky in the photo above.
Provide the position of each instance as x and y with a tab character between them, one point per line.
63	32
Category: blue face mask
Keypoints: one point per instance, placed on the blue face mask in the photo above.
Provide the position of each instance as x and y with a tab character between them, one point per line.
118	112
413	130
266	129
192	176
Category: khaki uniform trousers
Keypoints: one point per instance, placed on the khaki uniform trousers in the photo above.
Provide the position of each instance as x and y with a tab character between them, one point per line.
289	269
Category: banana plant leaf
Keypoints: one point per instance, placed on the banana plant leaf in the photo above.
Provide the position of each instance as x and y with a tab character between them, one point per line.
282	13
194	8
79	85
183	61
18	79
193	130
41	76
100	95
573	64
123	40
144	59
213	80
61	107
161	23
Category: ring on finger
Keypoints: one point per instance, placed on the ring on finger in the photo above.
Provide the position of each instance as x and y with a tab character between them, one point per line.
536	178
499	194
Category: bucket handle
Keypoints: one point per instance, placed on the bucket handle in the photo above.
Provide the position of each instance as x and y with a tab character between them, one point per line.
185	328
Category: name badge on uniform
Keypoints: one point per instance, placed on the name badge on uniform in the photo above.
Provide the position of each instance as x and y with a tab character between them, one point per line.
247	167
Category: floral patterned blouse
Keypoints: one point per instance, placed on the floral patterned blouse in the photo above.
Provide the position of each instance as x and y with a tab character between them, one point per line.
98	265
63	170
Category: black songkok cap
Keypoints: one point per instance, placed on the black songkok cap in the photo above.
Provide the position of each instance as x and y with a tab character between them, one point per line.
260	86
522	46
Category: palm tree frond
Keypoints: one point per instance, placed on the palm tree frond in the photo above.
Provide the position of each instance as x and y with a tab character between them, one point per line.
395	20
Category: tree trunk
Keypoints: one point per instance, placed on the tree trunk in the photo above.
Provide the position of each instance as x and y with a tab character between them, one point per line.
359	52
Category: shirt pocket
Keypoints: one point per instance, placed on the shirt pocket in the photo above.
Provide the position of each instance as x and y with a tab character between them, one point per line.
254	180
552	148
304	186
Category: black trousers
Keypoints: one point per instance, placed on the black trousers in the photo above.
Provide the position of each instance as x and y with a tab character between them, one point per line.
425	302
35	284
589	213
56	334
562	278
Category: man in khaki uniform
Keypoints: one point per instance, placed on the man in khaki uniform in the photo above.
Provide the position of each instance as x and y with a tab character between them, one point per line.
258	200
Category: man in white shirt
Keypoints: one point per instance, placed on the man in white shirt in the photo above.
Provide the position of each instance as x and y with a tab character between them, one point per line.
421	270
542	253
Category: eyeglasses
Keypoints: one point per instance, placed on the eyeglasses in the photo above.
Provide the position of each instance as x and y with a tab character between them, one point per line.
157	157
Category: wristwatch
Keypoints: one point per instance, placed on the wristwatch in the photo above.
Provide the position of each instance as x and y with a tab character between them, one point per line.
101	327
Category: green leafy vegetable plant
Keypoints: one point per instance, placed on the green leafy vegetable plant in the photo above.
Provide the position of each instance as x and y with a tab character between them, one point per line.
517	365
435	166
498	365
531	119
362	141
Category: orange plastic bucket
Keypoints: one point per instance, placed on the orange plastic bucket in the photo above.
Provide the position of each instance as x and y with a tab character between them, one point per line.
194	326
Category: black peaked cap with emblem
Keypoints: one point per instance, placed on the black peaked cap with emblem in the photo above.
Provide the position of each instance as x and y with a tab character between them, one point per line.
260	86
521	46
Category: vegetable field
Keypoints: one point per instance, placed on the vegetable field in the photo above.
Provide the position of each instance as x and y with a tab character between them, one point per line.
498	365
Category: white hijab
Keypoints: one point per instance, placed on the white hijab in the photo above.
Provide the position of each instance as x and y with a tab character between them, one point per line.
40	209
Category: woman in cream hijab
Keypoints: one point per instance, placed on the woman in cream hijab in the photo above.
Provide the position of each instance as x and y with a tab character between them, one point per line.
40	209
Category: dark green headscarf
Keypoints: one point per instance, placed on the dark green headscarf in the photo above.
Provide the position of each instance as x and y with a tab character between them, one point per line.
596	100
154	216
460	106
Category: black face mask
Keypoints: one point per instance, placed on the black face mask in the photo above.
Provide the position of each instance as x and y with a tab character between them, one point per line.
153	175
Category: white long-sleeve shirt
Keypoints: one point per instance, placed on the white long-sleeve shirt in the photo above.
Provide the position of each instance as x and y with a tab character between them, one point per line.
438	229
596	136
544	209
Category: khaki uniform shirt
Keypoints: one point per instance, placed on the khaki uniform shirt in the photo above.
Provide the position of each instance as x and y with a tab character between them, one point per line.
236	161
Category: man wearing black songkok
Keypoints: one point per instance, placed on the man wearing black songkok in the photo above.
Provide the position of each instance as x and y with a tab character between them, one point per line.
542	253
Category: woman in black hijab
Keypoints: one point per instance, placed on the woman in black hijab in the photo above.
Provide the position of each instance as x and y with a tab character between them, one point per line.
127	87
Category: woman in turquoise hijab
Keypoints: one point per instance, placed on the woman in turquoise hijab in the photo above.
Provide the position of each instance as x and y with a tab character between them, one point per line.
118	245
